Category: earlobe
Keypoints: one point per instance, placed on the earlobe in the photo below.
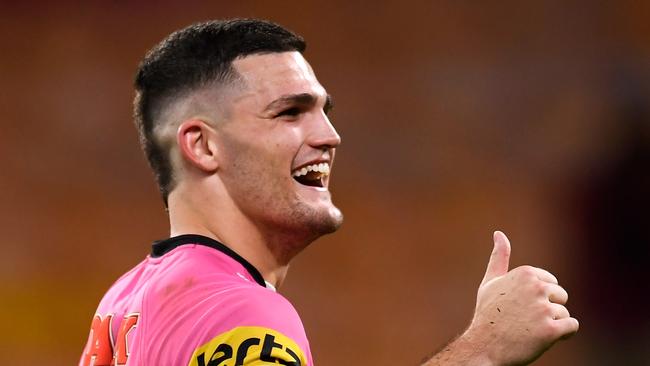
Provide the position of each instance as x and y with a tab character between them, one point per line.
194	138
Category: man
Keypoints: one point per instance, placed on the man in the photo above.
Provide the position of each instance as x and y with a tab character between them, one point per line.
234	124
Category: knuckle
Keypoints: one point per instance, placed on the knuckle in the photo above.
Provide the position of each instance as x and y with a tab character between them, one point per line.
539	288
525	271
560	311
549	330
528	269
565	312
547	311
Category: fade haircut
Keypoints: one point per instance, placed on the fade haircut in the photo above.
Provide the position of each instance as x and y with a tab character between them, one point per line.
188	60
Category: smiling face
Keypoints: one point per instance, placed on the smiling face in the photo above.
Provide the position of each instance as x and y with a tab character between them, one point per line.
276	148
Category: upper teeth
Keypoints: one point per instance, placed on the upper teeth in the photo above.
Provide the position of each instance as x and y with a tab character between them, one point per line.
323	168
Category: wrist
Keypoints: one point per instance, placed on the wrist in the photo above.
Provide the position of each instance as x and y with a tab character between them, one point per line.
474	338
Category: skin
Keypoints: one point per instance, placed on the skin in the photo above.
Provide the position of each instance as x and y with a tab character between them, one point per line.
233	166
519	314
233	150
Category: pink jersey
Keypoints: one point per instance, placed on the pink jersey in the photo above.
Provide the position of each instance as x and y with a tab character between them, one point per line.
194	302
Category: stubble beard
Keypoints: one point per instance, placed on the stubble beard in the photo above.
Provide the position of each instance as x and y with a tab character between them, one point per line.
291	227
287	221
317	221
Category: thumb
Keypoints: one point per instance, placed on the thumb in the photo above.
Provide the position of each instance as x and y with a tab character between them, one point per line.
499	259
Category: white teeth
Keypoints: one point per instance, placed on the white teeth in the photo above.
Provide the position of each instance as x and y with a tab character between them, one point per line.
323	168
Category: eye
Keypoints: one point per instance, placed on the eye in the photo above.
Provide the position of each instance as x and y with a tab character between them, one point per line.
329	105
290	112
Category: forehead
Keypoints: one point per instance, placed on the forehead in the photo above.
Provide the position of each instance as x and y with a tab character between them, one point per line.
269	76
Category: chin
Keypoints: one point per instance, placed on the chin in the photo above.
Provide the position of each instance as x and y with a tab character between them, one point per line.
314	222
303	227
336	219
329	223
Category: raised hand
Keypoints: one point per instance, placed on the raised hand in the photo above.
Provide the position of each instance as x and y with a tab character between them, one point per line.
519	313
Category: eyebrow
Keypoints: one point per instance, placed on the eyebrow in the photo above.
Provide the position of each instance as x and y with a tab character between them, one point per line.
303	99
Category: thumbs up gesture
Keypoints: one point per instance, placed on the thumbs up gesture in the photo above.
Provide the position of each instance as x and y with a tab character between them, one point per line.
519	313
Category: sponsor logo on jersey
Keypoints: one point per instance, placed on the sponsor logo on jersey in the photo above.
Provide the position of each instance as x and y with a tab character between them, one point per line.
249	346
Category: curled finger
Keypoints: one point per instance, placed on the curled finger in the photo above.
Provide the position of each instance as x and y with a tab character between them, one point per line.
557	294
559	312
545	276
566	327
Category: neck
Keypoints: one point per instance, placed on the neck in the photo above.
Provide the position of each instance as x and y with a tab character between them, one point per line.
222	221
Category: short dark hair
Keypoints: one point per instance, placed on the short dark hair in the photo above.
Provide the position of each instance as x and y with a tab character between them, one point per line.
189	59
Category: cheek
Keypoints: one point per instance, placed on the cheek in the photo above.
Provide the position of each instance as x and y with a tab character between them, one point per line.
247	168
261	161
277	145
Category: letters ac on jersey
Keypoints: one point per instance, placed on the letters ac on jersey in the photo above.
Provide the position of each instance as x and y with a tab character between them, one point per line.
249	346
100	349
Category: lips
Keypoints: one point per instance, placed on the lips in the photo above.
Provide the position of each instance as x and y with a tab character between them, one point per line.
312	174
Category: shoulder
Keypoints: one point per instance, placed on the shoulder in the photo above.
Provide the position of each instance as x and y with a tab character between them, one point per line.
257	326
197	307
210	305
258	306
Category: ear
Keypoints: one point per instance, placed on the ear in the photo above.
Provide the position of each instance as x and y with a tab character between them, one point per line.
195	140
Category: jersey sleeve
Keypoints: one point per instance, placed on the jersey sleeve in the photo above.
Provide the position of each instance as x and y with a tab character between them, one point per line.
256	327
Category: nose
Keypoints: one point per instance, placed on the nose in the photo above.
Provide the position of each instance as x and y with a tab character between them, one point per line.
323	133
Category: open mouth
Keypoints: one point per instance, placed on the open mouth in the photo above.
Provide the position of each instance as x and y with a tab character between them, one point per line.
312	175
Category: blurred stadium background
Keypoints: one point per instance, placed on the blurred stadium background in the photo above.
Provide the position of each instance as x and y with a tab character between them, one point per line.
458	118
